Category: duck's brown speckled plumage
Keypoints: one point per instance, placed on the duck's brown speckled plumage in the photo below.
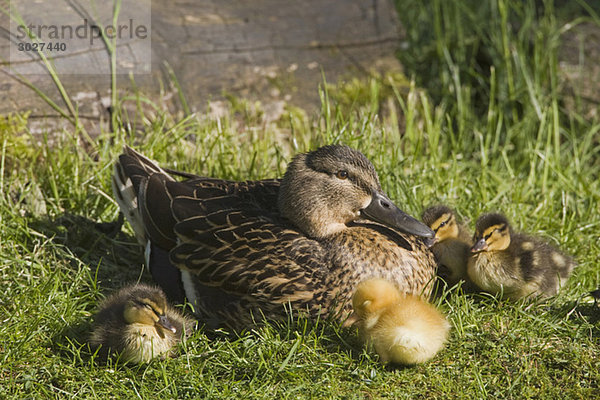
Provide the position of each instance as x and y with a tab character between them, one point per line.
241	259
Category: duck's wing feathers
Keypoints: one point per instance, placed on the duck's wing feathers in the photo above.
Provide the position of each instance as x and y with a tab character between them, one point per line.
230	235
244	250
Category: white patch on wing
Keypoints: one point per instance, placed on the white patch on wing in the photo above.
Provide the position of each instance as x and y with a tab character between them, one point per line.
190	289
147	251
128	203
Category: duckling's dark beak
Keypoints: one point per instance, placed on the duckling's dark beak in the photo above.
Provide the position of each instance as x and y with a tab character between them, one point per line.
479	246
429	242
382	210
164	322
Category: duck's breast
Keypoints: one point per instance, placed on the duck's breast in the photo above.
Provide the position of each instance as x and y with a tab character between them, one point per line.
371	250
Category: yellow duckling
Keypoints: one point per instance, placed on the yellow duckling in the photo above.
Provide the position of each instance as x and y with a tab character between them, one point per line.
403	328
452	244
514	264
138	323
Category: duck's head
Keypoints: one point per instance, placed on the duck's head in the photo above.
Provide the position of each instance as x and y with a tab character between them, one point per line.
147	306
373	295
442	220
324	190
492	233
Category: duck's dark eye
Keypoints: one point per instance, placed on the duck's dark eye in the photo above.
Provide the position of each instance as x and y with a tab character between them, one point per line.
342	174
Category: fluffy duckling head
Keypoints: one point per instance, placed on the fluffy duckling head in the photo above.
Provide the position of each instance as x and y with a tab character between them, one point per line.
148	306
442	220
373	295
326	189
492	233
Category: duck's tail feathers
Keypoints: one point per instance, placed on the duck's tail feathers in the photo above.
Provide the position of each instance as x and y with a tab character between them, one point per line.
130	176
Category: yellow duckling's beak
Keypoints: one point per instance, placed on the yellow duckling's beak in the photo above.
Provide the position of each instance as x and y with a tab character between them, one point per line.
164	322
382	210
481	245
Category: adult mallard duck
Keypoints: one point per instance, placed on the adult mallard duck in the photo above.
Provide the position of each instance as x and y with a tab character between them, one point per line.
137	323
247	250
514	264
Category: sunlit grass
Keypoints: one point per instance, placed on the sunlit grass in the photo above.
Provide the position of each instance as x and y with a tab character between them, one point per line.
480	143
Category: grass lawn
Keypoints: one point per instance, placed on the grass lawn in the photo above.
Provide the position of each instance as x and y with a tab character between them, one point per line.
481	123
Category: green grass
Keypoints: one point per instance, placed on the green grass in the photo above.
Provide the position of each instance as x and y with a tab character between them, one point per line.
481	136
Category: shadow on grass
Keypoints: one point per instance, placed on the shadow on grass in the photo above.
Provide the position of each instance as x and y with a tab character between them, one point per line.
71	343
114	258
586	314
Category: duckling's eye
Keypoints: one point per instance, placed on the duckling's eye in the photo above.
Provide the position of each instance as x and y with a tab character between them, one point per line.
444	223
342	174
148	307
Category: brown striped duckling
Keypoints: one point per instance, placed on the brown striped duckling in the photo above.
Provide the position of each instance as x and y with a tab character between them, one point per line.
239	251
137	323
451	245
403	328
513	264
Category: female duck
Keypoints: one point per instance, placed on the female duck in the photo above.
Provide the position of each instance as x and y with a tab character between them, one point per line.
137	323
246	250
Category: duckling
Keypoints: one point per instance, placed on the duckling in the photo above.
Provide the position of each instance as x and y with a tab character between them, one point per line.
451	245
242	252
403	328
514	264
138	323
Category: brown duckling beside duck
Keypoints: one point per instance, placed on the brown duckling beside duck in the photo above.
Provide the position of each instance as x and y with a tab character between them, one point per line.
451	245
514	264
